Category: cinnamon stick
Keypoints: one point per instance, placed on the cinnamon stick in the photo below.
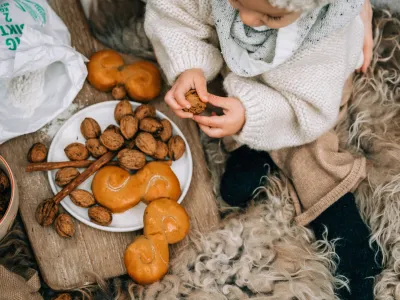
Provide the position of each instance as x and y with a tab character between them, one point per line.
47	166
83	176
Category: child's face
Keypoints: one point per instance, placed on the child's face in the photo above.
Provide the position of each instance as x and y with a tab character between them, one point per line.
255	13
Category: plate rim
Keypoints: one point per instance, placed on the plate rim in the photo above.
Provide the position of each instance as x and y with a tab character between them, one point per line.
106	228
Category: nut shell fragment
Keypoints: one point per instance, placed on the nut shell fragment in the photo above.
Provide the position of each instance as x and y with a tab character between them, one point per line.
64	226
100	215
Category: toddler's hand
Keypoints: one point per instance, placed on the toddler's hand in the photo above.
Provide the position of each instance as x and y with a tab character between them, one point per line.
230	123
366	16
190	79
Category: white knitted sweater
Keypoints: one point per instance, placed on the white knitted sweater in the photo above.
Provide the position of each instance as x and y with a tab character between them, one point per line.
290	105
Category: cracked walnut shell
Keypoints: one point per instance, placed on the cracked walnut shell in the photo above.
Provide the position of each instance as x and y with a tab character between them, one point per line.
95	148
37	153
123	108
166	132
76	152
176	147
131	159
145	111
46	212
64	226
151	125
82	198
111	140
197	106
146	143
65	176
129	126
90	129
100	215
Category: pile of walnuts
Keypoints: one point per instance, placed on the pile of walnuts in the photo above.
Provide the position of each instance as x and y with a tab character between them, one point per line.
5	193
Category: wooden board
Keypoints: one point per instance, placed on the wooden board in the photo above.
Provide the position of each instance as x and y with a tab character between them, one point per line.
67	264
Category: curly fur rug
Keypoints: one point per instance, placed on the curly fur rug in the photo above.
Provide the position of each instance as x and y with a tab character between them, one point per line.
259	253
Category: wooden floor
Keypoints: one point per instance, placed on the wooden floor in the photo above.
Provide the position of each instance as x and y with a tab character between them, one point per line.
67	264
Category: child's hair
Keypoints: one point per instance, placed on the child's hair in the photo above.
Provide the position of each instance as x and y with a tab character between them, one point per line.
299	5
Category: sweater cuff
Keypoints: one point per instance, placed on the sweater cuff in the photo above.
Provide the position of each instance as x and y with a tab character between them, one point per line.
208	61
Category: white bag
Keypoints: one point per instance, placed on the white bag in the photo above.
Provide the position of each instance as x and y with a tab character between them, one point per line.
40	73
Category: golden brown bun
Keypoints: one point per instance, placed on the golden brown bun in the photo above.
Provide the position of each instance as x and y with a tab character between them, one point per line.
116	189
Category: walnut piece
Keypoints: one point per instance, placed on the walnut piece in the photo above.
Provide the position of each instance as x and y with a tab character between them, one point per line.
119	92
129	126
82	198
161	151
90	129
46	212
151	125
95	148
65	176
64	226
131	159
123	108
166	132
146	143
37	153
145	111
113	128
111	140
76	151
197	106
176	147
100	215
4	182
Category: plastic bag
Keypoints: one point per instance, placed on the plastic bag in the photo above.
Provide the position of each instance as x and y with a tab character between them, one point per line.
40	73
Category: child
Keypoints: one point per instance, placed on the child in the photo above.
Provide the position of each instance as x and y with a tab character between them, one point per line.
288	62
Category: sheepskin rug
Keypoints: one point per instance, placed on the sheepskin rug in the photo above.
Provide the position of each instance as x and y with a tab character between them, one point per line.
259	253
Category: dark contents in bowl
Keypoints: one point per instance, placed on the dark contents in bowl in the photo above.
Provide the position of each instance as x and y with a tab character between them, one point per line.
5	193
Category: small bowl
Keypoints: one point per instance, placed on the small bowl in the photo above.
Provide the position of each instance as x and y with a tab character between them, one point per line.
8	219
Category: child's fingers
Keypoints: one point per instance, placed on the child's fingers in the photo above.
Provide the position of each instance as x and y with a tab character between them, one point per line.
212	132
179	95
222	102
184	115
170	100
201	88
214	121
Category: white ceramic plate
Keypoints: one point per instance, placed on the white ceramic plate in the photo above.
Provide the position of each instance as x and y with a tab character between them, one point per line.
103	113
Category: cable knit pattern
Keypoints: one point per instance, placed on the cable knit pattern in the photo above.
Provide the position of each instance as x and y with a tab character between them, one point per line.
290	105
183	36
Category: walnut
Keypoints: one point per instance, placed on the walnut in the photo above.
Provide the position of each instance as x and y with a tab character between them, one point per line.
166	132
95	148
37	153
100	215
176	147
131	159
123	108
119	92
63	297
161	151
46	212
111	140
82	198
146	143
144	111
90	129
76	151
150	125
4	182
113	128
66	175
64	226
129	126
197	106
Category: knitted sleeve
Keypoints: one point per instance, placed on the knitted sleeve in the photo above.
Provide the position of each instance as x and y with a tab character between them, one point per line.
182	34
298	101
